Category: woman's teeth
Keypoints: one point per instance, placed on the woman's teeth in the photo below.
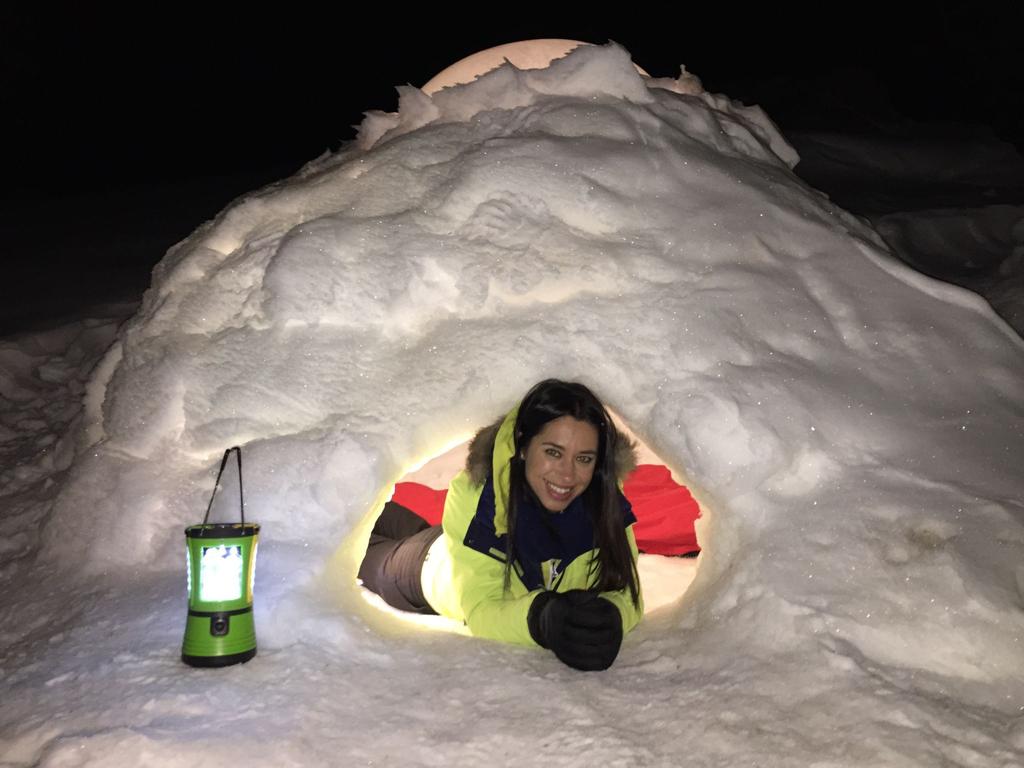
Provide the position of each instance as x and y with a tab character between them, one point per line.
558	490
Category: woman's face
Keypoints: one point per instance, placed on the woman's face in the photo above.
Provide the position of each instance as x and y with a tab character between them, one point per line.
560	461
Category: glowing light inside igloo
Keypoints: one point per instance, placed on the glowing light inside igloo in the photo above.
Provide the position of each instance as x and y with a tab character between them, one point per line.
666	528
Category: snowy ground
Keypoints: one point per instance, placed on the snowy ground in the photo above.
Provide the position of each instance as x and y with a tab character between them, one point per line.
852	427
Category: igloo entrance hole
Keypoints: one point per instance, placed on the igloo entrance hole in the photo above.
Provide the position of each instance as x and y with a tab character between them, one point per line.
666	512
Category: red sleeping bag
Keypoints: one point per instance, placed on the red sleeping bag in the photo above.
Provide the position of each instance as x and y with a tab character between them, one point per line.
665	511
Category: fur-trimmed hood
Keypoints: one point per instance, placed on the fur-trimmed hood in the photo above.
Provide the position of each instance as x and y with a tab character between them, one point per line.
481	451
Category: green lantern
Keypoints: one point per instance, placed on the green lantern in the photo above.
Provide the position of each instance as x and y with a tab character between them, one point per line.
221	568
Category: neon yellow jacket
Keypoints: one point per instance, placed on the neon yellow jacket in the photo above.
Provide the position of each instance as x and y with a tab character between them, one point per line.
467	585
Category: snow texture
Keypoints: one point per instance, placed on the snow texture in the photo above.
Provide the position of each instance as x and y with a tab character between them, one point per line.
852	428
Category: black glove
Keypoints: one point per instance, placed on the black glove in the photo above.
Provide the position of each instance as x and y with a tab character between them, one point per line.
583	629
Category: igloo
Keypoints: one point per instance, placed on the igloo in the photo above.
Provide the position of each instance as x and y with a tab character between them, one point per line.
854	429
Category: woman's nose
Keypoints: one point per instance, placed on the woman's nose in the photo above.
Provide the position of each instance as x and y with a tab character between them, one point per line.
566	468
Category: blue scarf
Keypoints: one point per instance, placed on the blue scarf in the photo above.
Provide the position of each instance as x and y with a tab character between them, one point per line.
541	536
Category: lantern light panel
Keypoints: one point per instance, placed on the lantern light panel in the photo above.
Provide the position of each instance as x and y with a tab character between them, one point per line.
220	574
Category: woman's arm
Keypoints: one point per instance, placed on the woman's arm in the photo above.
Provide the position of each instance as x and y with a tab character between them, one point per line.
478	580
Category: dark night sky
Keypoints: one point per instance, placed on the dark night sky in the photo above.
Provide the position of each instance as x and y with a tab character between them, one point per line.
143	95
183	110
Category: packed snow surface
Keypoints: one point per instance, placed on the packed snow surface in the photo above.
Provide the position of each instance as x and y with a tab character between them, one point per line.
853	429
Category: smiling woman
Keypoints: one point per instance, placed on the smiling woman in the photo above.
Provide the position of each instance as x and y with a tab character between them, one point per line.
665	531
536	544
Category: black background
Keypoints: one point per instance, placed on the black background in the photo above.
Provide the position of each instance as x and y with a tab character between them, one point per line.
125	130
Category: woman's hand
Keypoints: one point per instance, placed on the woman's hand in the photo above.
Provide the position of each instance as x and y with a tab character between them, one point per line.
582	628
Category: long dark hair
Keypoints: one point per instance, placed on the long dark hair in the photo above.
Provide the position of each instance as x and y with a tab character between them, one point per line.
549	400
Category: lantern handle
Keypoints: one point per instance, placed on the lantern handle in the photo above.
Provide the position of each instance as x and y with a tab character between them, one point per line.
216	485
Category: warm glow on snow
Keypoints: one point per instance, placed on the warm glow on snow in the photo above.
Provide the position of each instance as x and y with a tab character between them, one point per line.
526	54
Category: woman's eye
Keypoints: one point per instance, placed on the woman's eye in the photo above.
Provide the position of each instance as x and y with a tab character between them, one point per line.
552	453
584	459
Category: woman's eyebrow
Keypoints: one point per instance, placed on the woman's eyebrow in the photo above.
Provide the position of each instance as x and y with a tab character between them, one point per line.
562	448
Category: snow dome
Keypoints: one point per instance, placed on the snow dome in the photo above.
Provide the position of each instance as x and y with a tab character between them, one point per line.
854	428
